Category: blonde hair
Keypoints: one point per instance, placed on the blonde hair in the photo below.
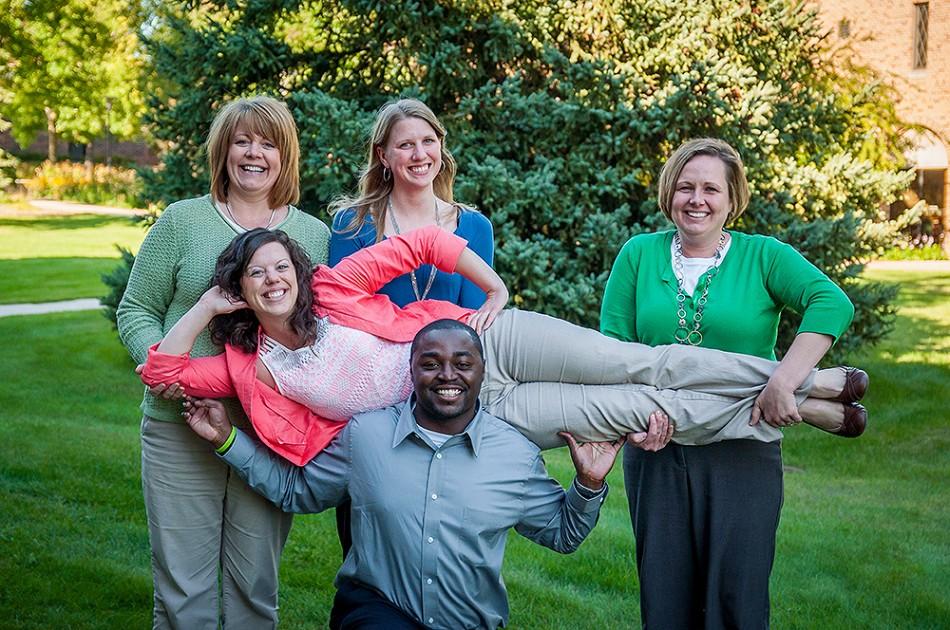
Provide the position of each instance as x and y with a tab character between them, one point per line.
373	189
735	174
266	117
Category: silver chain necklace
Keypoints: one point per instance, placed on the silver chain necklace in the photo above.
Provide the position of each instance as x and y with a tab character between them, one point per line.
412	274
689	333
227	206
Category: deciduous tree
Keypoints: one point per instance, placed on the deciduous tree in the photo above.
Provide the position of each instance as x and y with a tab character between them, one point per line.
72	67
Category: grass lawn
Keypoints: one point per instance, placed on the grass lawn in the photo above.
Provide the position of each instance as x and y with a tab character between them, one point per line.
863	541
44	258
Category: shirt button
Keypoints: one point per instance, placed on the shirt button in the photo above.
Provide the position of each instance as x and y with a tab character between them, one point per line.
430	540
431	620
438	455
434	496
429	581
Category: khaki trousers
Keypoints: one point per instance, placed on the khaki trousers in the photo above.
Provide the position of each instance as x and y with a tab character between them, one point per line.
204	521
545	375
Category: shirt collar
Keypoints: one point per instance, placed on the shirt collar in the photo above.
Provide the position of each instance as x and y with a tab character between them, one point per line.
407	425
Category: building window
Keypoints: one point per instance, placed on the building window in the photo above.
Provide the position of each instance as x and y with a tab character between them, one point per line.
921	18
844	28
927	186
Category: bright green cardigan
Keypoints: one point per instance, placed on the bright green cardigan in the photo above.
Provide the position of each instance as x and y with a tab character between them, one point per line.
758	278
174	267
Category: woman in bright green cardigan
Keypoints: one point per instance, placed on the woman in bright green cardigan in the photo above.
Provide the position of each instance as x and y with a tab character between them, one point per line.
208	530
705	517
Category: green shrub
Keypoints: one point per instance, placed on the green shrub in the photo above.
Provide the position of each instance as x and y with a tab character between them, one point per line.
8	164
909	251
72	181
115	282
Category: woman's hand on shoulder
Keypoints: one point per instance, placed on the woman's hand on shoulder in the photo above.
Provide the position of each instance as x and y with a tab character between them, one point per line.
218	302
495	301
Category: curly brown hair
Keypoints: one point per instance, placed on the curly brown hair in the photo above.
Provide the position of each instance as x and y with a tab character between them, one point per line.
240	328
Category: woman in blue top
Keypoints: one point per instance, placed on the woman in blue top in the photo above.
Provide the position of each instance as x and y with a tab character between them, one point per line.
407	184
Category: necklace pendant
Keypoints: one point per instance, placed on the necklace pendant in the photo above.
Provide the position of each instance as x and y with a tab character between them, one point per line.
412	274
683	334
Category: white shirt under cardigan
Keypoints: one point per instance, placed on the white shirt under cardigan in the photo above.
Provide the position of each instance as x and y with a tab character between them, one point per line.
694	268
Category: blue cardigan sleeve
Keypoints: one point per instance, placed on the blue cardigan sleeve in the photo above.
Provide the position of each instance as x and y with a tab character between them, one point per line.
344	242
477	230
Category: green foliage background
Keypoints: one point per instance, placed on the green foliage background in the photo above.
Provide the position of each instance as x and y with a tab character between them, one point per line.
62	60
560	114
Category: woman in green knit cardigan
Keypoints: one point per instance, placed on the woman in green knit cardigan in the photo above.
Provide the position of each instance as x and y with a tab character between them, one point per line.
205	526
705	517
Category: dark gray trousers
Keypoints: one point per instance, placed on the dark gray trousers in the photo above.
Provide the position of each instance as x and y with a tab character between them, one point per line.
705	518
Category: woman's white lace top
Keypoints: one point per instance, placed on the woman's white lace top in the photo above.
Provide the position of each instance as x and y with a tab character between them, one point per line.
344	372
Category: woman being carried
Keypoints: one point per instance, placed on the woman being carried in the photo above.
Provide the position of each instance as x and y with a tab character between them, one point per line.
300	378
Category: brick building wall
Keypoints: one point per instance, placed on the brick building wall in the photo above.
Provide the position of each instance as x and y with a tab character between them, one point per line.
886	35
137	152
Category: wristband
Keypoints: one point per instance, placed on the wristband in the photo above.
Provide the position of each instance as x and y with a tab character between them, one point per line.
221	450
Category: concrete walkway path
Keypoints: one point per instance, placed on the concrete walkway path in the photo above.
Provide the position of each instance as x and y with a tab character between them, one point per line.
935	266
84	304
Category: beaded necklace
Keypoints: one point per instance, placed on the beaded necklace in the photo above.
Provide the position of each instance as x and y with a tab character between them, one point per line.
412	274
689	333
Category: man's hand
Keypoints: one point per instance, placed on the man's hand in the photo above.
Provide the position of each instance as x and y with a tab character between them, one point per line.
208	419
592	460
657	435
168	392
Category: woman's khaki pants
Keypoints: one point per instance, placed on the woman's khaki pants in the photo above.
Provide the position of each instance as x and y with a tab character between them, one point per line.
205	522
545	375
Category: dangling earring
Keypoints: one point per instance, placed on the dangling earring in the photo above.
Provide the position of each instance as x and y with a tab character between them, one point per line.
387	174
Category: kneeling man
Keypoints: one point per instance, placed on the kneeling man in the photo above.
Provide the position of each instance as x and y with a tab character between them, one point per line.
435	485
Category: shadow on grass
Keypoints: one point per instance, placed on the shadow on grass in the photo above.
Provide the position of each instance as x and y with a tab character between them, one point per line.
917	290
66	221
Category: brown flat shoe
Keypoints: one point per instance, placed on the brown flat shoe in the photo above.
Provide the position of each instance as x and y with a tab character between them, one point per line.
855	386
855	420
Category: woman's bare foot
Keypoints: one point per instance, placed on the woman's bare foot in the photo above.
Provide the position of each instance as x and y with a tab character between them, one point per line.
845	420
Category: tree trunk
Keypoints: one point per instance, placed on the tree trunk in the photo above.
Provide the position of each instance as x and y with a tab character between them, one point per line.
50	134
88	161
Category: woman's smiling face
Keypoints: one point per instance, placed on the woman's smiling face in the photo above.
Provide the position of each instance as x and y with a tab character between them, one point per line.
269	282
253	163
413	152
701	203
